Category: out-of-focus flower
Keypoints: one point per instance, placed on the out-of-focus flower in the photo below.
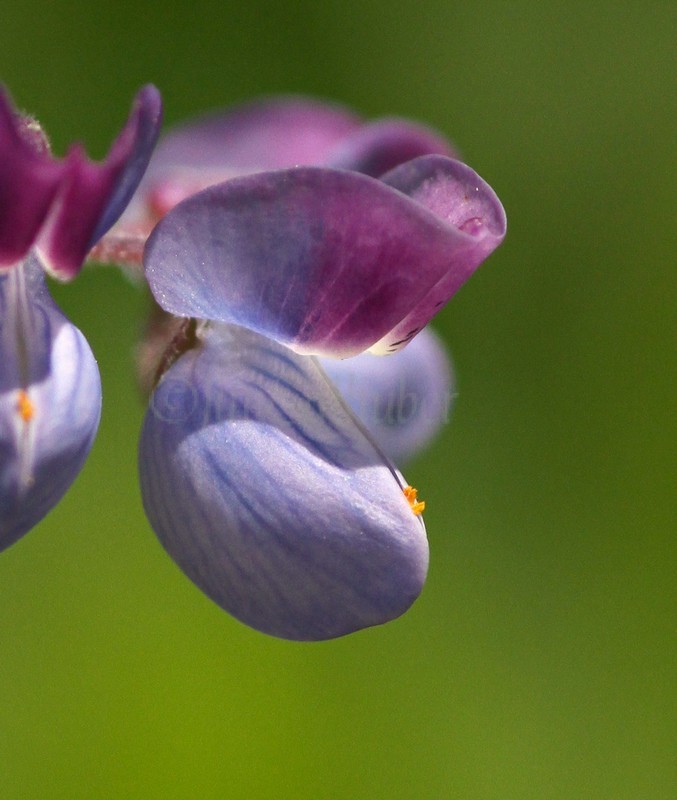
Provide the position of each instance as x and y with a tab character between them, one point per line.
51	213
403	400
257	478
270	134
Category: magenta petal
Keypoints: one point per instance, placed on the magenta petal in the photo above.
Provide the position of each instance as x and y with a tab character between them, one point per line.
92	196
326	261
381	146
459	197
29	179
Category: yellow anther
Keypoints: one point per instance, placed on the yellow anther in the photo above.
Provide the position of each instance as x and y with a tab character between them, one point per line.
24	406
417	506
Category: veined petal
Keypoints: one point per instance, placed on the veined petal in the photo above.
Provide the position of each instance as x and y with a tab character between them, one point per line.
382	145
92	196
268	495
402	399
50	402
326	261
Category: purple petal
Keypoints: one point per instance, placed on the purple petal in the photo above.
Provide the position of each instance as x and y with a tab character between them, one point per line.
132	149
380	146
265	134
457	195
262	135
29	179
266	493
402	399
92	196
50	401
326	261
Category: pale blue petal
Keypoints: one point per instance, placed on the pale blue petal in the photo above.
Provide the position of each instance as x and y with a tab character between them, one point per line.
403	399
268	495
50	402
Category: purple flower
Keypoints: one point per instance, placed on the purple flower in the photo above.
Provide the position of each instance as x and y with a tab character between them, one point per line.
51	213
259	481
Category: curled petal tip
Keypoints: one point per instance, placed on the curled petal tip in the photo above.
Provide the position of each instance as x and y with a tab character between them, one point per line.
134	148
467	206
92	196
271	499
454	193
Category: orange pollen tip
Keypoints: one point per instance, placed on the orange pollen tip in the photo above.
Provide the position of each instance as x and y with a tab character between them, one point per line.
25	407
417	506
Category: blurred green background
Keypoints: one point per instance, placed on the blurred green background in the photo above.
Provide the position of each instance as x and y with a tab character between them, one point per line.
540	660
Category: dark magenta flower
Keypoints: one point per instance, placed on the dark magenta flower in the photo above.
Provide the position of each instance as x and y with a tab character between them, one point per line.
257	478
51	213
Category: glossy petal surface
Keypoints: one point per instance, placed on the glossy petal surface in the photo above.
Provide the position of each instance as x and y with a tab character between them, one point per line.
402	399
92	196
326	261
267	494
50	402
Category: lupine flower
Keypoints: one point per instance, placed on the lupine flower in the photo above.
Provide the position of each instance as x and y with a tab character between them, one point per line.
51	213
259	481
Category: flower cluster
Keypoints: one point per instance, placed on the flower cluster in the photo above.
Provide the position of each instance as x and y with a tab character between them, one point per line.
291	246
